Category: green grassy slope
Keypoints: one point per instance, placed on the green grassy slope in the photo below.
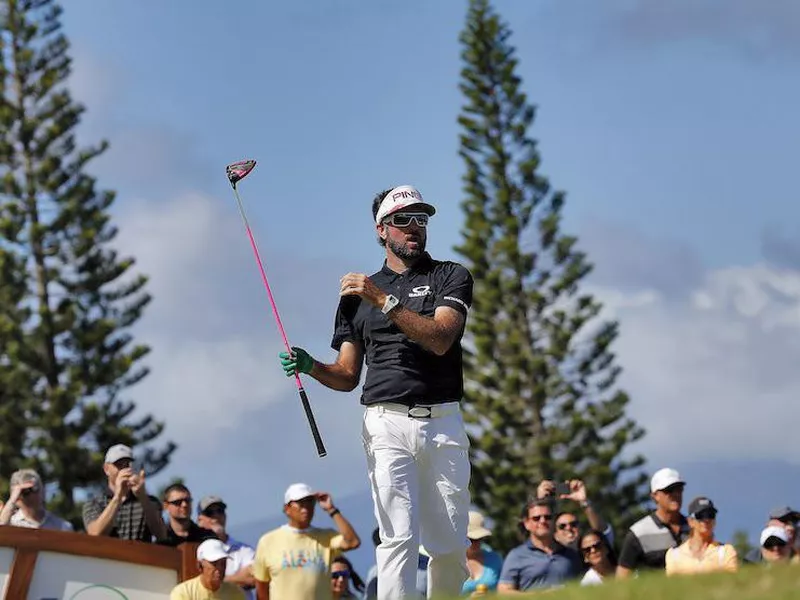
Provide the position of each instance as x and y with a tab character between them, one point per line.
751	582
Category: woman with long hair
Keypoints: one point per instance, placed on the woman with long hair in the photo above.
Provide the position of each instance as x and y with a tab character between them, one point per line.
342	573
598	556
701	553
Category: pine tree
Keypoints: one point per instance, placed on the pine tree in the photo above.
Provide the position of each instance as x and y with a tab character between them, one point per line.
540	397
83	298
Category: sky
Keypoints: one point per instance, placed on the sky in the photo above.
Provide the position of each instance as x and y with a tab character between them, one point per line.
671	126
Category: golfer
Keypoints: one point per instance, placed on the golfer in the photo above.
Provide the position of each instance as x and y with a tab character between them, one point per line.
407	320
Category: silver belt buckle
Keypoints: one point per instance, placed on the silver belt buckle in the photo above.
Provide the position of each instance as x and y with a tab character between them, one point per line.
420	412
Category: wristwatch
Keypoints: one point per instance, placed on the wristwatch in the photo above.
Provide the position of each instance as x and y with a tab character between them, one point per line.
391	302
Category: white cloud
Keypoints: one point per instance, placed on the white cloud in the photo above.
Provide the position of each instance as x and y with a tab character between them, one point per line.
202	360
712	371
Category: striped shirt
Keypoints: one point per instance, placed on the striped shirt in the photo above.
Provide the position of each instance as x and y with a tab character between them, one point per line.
129	523
647	542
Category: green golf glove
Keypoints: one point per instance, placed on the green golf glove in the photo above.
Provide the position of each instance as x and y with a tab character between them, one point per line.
298	360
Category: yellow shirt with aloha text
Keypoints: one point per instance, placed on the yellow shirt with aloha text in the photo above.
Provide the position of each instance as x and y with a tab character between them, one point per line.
297	563
192	589
716	557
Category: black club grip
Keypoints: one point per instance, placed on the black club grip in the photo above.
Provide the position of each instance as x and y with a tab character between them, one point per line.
312	423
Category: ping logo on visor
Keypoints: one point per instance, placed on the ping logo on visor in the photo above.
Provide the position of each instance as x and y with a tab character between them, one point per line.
401	197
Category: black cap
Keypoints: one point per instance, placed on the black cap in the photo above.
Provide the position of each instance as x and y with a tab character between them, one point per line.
784	513
700	504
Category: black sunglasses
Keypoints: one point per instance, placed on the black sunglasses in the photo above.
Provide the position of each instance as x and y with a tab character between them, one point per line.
30	490
568	525
775	545
596	546
180	501
706	515
538	518
338	574
214	512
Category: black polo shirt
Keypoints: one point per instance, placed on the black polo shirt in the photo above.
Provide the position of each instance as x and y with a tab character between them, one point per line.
196	534
398	369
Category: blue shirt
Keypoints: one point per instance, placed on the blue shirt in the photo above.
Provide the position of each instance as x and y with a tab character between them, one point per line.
527	566
492	565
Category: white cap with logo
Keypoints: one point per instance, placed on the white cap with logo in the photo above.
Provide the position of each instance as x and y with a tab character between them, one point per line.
402	197
212	550
664	478
297	491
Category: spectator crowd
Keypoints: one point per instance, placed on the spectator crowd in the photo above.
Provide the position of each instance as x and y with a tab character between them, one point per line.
300	560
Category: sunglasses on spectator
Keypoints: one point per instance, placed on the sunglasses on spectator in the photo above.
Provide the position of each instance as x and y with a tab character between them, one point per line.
589	549
404	219
30	490
338	574
214	512
538	518
774	545
706	515
179	501
568	525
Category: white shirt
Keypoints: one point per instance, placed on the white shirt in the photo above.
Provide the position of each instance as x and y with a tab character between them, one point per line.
592	577
241	555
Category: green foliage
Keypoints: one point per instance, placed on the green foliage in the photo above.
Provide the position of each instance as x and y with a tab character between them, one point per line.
540	396
67	354
741	541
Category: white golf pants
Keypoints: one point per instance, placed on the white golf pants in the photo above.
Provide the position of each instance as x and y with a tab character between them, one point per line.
419	474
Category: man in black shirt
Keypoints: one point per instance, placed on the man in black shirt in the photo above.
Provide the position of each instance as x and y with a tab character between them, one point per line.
407	320
180	527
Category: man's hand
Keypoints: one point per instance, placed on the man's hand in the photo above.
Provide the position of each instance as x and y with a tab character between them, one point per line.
358	284
577	491
123	483
137	485
298	361
545	489
16	490
325	501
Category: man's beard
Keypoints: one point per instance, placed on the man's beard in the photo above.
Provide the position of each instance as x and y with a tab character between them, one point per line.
402	250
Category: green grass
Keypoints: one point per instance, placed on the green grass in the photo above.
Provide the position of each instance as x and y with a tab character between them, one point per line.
750	583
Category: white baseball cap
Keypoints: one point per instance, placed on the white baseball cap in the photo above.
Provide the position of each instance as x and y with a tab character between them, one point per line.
297	491
118	452
664	478
212	550
402	197
776	532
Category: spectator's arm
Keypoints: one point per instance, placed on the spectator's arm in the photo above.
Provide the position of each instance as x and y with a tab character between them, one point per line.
243	576
596	521
730	558
630	556
262	590
99	522
10	507
350	539
6	513
152	516
508	582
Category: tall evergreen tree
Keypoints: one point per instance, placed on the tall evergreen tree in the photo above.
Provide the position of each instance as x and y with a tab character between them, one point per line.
540	397
83	297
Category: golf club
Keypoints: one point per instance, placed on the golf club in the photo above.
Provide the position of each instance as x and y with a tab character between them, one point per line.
236	172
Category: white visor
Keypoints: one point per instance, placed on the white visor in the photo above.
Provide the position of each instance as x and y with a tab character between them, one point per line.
402	197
